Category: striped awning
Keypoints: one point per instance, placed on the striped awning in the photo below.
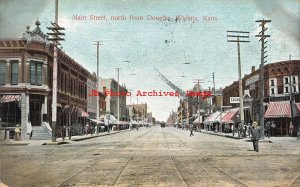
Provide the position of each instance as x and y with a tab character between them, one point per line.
278	109
10	98
230	115
213	118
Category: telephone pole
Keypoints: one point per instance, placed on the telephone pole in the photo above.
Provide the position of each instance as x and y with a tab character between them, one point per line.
197	81
118	71
214	92
239	36
262	37
56	37
97	85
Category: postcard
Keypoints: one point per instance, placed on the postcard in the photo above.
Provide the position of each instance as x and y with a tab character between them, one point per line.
149	93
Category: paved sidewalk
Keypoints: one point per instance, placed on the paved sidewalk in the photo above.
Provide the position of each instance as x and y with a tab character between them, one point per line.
59	141
270	140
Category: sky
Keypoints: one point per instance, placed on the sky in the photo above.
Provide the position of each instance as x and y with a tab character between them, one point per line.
182	50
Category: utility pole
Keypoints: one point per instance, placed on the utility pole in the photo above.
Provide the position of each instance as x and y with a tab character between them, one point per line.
214	90
55	38
197	81
262	37
209	102
239	36
97	86
118	71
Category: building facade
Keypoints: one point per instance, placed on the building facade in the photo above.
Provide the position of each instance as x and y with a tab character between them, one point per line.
281	84
109	87
26	83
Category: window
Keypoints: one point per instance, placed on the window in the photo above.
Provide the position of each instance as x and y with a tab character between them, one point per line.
286	80
294	88
286	89
272	83
294	79
272	91
2	72
14	72
36	73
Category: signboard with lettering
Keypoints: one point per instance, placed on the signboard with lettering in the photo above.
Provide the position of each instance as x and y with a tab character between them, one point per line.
234	100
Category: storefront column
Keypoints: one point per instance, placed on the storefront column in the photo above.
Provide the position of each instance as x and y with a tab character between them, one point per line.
24	115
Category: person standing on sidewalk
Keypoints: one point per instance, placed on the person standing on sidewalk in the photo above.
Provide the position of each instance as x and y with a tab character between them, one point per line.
273	126
291	129
256	134
191	129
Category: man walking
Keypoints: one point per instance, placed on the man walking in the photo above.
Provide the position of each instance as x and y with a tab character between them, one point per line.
191	129
256	134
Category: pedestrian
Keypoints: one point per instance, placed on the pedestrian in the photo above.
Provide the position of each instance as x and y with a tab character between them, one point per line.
268	129
249	129
298	134
256	134
29	130
87	127
191	129
17	133
69	133
245	131
63	132
291	129
273	128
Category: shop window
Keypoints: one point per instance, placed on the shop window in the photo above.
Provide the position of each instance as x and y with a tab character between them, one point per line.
14	72
2	72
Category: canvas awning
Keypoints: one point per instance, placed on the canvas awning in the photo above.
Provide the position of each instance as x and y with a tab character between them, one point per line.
229	115
83	113
278	109
10	98
197	120
213	118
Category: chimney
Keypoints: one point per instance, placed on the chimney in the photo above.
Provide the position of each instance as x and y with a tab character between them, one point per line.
252	69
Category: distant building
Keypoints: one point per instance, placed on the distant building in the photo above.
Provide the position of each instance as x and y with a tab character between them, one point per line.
109	87
139	112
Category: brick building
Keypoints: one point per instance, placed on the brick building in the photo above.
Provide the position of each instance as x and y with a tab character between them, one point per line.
281	85
26	83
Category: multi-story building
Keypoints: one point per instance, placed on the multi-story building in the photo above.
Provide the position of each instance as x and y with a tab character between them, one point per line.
139	111
26	83
281	88
109	87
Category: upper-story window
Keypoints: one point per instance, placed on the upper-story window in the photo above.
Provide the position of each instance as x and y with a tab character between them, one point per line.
273	90
14	72
36	72
286	80
2	72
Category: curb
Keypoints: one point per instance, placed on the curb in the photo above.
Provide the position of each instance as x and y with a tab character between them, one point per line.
223	135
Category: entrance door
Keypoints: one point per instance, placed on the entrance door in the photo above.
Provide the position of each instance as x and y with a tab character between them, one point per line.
35	112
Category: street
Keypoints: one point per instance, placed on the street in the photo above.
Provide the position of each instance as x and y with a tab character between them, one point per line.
153	157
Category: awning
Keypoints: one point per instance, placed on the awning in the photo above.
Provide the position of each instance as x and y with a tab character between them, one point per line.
83	113
229	115
278	109
10	98
197	120
213	118
297	109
